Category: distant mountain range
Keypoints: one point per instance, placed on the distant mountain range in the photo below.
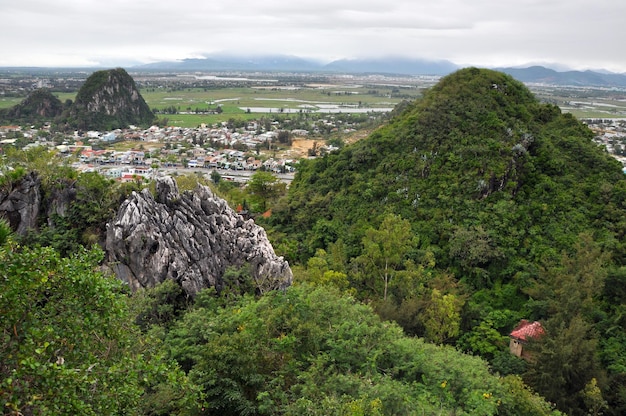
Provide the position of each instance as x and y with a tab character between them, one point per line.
389	65
399	66
542	75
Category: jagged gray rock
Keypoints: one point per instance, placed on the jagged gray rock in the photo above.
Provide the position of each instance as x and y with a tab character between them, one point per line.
20	203
191	238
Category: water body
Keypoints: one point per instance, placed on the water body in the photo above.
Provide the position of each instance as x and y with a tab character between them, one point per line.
325	109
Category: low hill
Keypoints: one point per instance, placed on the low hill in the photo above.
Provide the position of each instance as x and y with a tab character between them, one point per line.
108	99
39	105
479	149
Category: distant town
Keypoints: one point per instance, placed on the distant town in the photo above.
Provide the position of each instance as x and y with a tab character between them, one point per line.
234	152
611	134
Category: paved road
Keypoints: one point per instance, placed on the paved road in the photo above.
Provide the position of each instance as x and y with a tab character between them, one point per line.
228	174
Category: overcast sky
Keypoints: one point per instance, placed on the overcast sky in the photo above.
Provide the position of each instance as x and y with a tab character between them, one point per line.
579	34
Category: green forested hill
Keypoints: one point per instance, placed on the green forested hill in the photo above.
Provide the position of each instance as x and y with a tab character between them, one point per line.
40	105
479	150
108	99
472	209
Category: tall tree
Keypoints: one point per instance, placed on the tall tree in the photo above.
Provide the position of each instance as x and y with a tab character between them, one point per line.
264	187
385	248
565	359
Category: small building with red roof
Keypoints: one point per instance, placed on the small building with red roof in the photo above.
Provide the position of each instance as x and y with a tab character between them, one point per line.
524	332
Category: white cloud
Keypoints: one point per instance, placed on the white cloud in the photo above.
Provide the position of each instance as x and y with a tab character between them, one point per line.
579	33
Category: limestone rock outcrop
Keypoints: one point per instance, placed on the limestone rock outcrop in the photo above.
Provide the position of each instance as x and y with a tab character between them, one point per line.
108	99
20	203
191	238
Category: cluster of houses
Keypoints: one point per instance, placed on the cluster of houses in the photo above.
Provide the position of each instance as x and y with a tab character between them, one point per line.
132	164
610	133
167	147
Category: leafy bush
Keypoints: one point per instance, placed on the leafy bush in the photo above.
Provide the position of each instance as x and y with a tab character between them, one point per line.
68	345
312	351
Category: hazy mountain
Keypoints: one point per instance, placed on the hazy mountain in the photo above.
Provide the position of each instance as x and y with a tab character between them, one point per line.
386	65
393	65
223	62
540	74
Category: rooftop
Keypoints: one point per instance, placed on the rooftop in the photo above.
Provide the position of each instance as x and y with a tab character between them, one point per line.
526	330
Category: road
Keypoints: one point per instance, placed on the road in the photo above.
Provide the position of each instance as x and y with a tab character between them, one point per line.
226	174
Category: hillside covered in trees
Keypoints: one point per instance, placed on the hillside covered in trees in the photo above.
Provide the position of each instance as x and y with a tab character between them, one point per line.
415	252
474	208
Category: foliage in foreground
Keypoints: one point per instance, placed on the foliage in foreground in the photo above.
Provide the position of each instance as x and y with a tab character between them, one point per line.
312	351
68	344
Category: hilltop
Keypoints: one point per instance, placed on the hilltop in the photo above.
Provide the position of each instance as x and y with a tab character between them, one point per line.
107	100
39	105
479	141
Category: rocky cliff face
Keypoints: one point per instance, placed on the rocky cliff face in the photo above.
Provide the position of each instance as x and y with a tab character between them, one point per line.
191	238
20	203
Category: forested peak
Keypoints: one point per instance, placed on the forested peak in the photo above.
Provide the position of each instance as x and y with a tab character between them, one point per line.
104	79
473	105
40	94
40	103
109	99
477	139
486	87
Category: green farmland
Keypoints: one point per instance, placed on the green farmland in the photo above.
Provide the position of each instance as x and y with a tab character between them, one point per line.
190	107
249	102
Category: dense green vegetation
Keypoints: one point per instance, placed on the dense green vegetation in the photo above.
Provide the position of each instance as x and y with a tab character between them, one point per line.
73	342
470	210
501	195
69	345
107	100
38	107
314	351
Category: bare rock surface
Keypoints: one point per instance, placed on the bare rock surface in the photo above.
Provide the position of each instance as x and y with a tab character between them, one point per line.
191	238
20	203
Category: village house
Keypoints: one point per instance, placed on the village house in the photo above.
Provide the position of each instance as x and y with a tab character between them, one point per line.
524	332
9	129
198	152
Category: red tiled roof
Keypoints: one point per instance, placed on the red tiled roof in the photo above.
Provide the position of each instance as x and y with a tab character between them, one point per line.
526	330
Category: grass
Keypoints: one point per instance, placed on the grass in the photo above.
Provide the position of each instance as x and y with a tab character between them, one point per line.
8	102
593	113
195	120
203	98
